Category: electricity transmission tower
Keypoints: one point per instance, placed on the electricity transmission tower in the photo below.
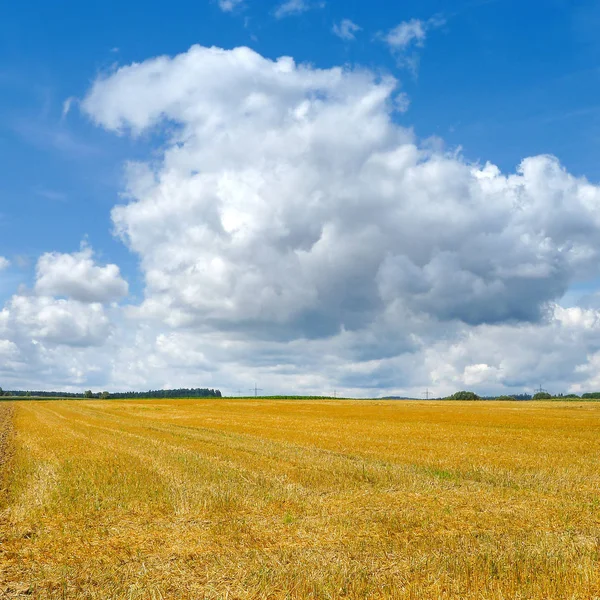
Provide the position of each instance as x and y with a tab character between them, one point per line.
426	394
256	390
541	390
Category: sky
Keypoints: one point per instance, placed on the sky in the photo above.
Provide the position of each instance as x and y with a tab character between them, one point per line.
366	198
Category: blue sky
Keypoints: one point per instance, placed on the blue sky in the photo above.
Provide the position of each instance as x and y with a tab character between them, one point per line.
494	80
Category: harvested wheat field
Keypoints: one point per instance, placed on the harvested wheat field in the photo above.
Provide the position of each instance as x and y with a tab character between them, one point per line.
300	499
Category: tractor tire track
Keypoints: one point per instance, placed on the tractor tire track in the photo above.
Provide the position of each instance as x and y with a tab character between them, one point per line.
7	410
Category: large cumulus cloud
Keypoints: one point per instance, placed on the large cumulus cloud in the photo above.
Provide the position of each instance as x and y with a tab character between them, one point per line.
289	203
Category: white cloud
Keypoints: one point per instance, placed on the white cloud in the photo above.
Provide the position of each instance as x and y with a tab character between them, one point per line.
66	307
292	7
77	276
57	321
230	5
402	102
4	263
346	29
558	352
8	349
406	34
405	38
47	342
67	104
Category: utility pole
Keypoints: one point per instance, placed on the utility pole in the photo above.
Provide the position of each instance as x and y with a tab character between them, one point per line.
256	390
426	393
540	390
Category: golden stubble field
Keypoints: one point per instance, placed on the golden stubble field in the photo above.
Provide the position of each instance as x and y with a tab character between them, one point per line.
300	499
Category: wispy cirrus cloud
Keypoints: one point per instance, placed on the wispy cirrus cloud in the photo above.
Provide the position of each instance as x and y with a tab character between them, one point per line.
48	135
406	34
50	194
230	5
346	29
404	39
291	8
67	105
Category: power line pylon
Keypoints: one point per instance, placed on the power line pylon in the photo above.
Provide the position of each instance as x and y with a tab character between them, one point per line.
256	390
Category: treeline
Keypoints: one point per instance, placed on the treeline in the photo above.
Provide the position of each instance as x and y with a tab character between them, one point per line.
465	395
178	393
27	393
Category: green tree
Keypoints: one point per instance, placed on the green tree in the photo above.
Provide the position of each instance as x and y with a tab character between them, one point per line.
88	394
464	395
542	396
104	395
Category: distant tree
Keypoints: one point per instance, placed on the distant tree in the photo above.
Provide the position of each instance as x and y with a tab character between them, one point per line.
591	395
571	396
464	395
104	395
7	394
88	394
542	396
507	398
28	394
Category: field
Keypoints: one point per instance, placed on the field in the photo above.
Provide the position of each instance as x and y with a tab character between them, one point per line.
300	499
